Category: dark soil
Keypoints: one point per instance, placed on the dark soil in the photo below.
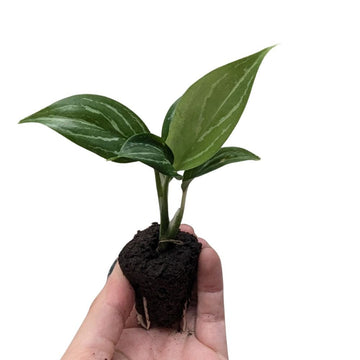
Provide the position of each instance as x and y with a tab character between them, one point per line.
165	279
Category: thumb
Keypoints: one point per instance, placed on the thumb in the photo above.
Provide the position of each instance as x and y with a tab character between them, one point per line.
105	321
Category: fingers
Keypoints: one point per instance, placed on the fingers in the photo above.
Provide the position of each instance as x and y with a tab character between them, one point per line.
210	318
105	320
210	321
190	229
187	228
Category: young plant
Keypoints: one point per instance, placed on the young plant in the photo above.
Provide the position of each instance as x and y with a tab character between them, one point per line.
194	130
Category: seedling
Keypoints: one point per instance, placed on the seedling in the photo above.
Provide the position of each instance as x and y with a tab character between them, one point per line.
193	133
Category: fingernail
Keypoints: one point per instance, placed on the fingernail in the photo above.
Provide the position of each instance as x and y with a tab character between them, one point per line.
112	267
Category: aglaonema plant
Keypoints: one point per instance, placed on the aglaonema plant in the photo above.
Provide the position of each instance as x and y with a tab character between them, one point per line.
191	145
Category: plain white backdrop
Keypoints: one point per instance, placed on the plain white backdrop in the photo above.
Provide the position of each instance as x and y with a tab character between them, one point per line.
286	228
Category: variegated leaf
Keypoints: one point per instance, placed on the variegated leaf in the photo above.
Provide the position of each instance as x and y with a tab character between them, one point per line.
224	156
207	113
167	121
97	123
150	150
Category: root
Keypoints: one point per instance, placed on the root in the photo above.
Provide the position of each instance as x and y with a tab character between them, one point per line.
146	313
183	321
145	323
173	241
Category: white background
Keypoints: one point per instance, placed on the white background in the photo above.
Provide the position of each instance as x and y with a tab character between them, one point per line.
286	228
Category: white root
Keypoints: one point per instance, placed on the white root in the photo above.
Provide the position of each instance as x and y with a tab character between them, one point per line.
140	320
183	322
147	327
145	323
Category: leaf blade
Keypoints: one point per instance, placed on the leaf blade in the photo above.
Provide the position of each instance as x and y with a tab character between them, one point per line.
224	156
150	150
167	121
94	122
209	110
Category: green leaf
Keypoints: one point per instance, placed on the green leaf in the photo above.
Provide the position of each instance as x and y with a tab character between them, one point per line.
224	156
207	113
96	123
150	150
167	121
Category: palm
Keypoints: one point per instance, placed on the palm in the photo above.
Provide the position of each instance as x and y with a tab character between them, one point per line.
140	344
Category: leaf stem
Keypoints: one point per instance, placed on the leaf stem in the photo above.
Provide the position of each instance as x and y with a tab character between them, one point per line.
162	186
176	220
168	229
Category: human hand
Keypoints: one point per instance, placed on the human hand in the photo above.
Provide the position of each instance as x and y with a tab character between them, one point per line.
110	330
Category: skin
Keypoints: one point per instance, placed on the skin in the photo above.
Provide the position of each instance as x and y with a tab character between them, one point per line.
110	330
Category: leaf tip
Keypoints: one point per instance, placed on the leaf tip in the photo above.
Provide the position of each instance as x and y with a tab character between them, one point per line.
270	47
22	121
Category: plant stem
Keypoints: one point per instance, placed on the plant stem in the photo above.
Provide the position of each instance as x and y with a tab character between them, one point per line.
168	229
176	220
162	186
